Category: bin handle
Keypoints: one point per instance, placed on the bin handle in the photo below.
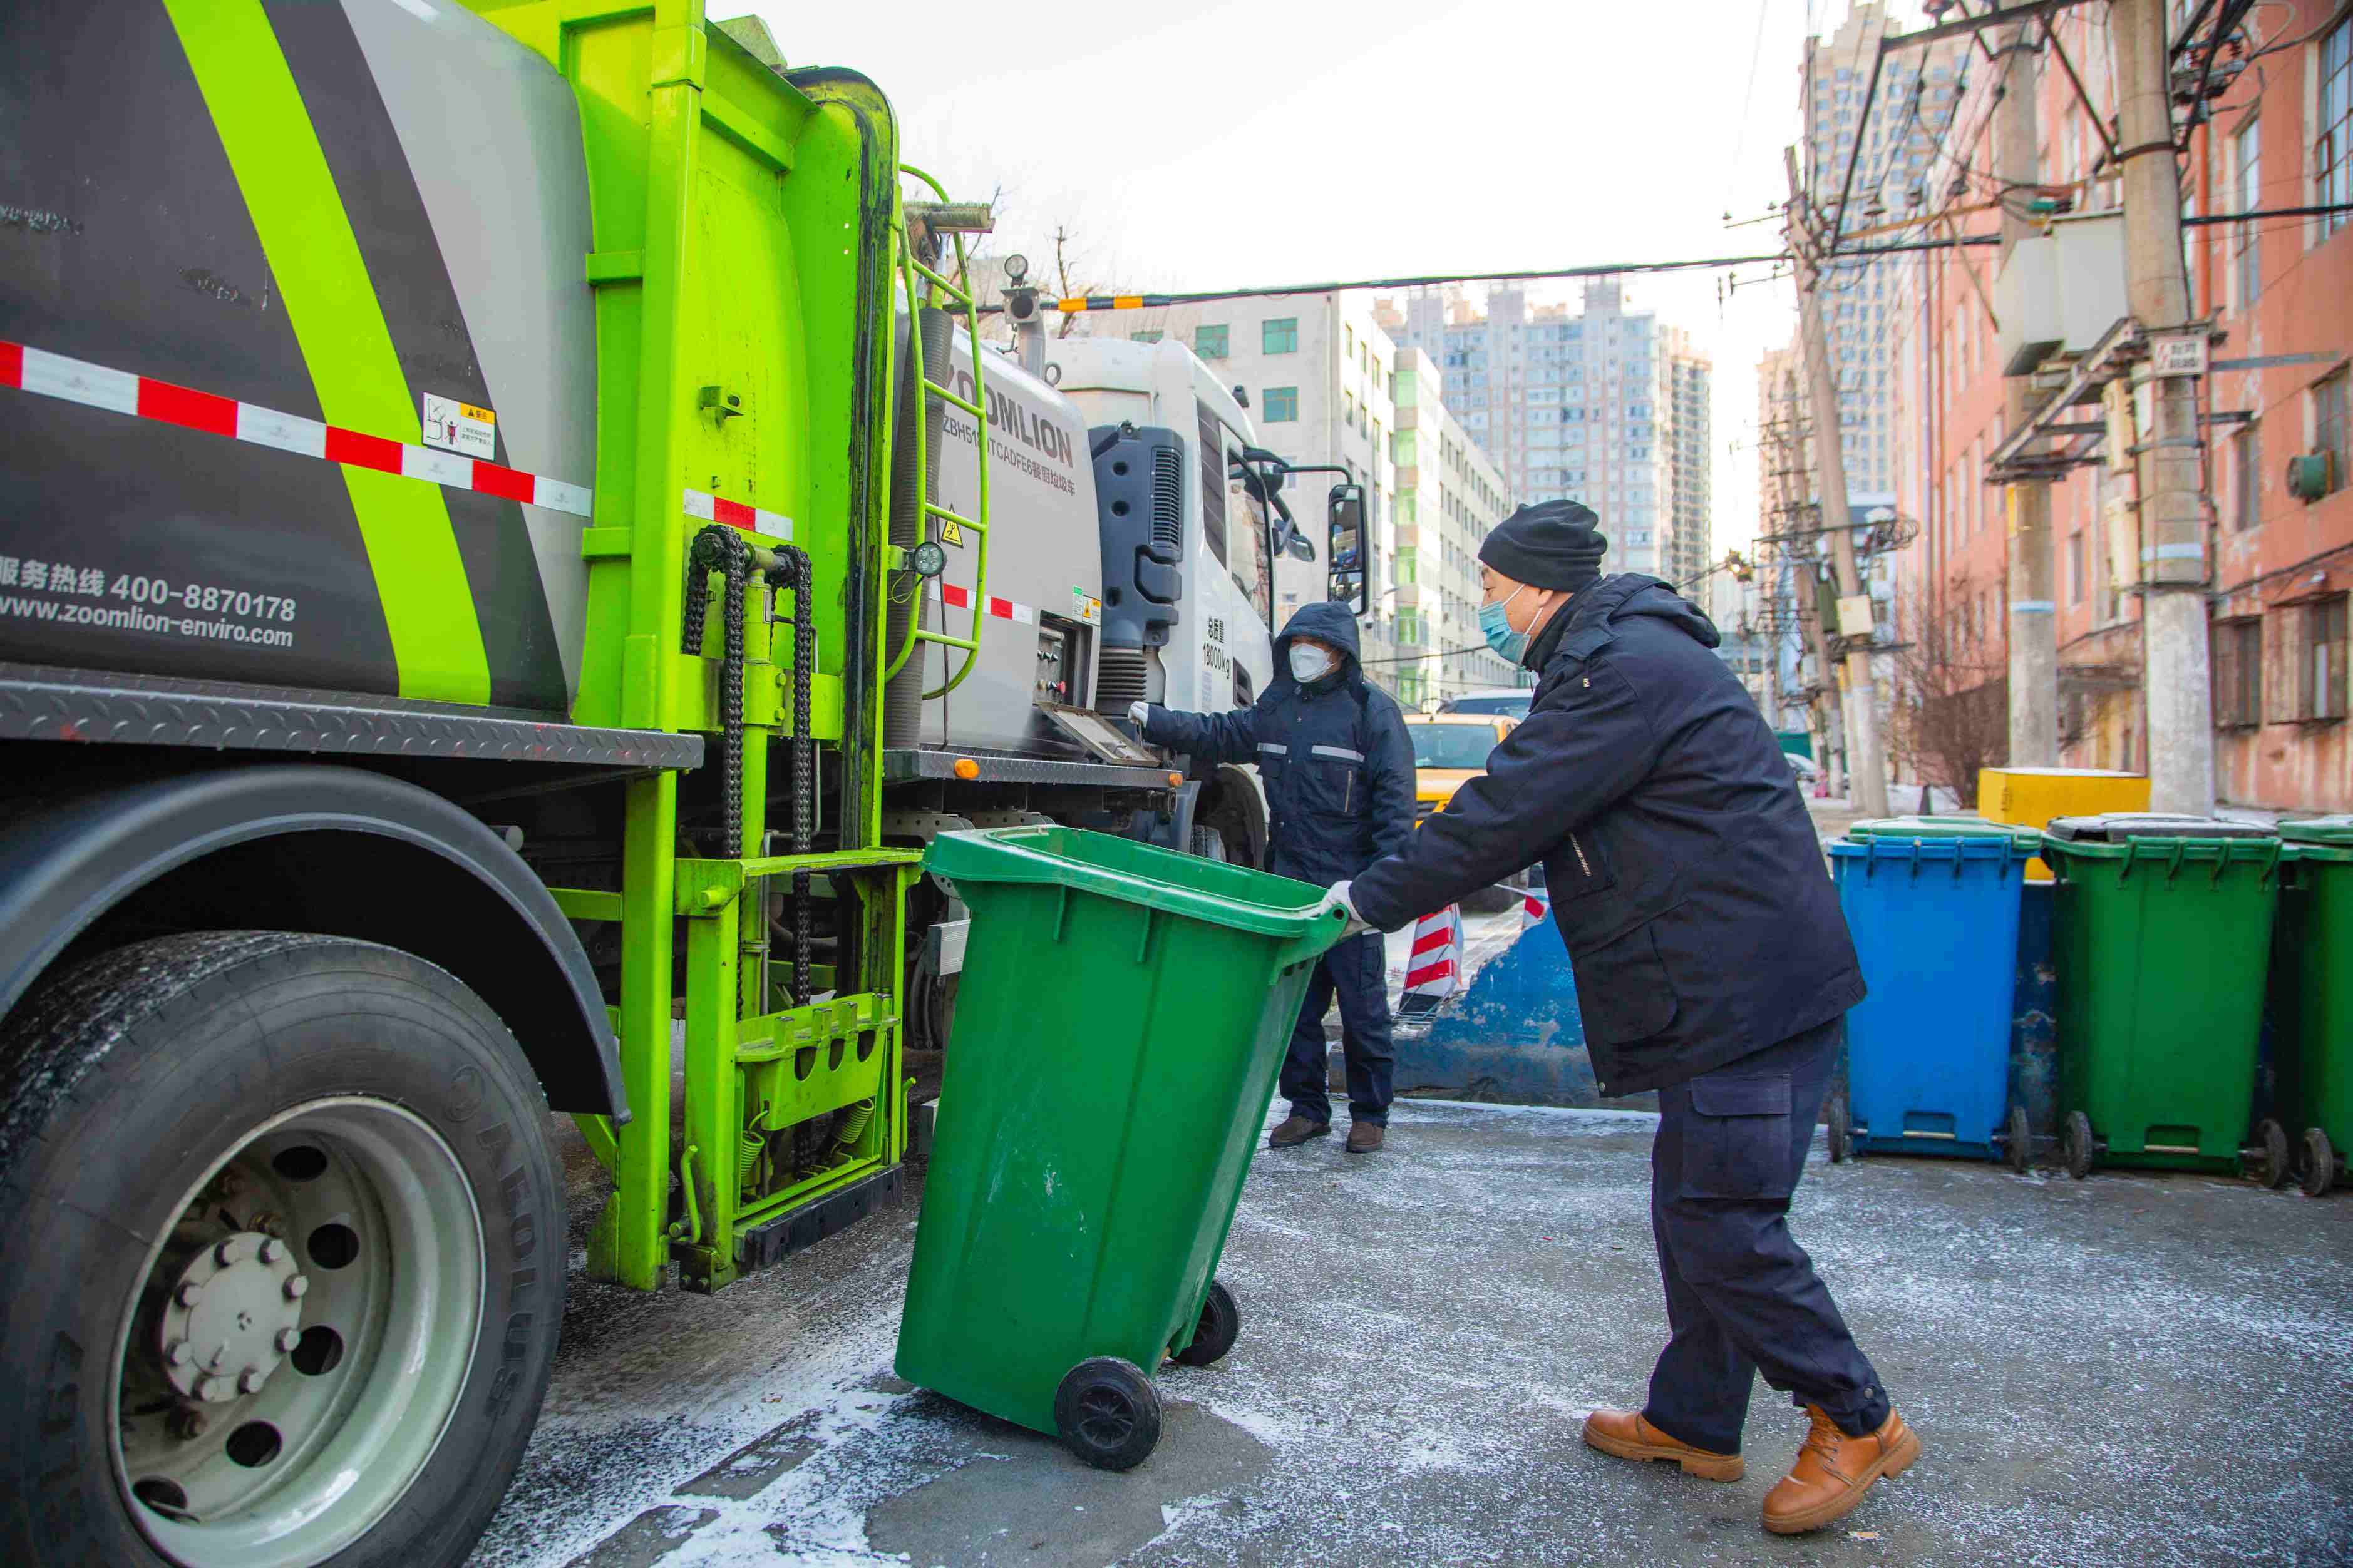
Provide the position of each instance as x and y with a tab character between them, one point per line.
1332	901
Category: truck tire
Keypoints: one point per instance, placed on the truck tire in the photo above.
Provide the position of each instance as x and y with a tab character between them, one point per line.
284	1247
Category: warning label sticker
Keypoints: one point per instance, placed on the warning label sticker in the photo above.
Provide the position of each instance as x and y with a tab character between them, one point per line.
456	426
1085	607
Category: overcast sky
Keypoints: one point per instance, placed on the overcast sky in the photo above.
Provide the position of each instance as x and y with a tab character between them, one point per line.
1197	145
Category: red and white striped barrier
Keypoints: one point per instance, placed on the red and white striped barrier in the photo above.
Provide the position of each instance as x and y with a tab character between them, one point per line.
1534	907
1433	971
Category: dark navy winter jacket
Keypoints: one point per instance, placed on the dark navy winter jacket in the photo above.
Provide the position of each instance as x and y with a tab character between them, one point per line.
1333	756
1685	874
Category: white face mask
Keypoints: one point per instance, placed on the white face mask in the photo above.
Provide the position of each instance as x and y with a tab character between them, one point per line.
1309	664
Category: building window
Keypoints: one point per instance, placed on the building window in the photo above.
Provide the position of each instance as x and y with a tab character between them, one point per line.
2322	658
2238	673
1144	337
1211	342
2247	460
2246	250
2332	152
1278	337
2330	427
2075	568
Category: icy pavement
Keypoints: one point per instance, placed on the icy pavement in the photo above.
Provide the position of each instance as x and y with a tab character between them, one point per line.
2132	1370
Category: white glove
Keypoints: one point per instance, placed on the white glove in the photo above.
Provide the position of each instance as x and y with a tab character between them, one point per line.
1338	894
1137	712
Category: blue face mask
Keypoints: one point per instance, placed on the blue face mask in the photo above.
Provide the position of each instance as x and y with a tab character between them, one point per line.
1496	627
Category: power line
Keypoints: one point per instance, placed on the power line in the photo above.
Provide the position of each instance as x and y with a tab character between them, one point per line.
1077	304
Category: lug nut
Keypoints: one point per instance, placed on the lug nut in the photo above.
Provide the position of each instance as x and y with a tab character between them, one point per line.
213	1390
298	1287
250	1380
179	1352
184	1424
272	1250
228	1251
287	1340
189	1293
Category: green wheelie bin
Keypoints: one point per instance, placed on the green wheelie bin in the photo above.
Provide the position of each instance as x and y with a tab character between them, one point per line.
1121	1021
2161	933
2313	1011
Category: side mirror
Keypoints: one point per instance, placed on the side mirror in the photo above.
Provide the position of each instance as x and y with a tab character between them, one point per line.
1350	568
1298	546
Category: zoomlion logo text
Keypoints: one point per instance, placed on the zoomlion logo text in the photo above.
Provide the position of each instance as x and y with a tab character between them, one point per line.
1009	418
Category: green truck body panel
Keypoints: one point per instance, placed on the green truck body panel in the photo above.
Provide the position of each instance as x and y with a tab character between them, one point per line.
652	275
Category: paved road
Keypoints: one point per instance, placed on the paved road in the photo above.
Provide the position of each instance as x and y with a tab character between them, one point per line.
2128	1370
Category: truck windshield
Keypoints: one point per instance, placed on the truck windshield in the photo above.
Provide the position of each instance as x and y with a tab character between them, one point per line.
1452	746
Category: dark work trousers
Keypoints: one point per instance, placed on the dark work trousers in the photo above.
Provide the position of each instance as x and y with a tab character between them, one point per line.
1742	1295
1358	969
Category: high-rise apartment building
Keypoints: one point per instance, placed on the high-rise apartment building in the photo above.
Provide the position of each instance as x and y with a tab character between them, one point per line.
1889	154
1608	406
1449	494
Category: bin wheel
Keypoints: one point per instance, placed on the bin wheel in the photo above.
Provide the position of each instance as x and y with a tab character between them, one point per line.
2319	1164
2016	1143
1841	1132
2077	1145
1108	1413
1222	1324
2276	1167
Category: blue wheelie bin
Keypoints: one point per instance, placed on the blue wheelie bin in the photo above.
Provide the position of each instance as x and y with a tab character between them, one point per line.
1933	904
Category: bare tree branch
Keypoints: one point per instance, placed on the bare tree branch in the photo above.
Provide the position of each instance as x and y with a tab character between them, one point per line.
1952	698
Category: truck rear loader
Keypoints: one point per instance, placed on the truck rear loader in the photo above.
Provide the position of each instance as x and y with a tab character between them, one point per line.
510	545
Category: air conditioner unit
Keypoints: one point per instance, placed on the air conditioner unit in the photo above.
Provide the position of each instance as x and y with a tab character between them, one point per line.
2311	475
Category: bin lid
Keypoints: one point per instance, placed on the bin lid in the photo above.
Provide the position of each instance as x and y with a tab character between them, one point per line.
2114	826
1101	863
1942	827
2334	832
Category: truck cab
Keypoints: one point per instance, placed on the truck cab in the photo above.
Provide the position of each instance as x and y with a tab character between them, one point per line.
1189	576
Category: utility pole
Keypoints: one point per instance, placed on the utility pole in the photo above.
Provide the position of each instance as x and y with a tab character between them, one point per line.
2034	630
1866	770
2176	663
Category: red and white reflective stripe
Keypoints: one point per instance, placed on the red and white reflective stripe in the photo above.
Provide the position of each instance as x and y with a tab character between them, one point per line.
143	397
1435	965
735	514
958	597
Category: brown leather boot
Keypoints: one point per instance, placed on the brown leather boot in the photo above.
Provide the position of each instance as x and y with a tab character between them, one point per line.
1625	1433
1833	1470
1365	1137
1298	1129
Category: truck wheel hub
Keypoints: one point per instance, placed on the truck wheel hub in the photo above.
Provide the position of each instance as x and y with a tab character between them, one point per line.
229	1313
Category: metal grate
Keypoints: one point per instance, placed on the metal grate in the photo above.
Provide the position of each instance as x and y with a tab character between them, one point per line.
1120	680
1167	498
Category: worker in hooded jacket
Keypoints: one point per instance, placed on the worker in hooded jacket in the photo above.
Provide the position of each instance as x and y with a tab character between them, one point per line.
1713	965
1338	770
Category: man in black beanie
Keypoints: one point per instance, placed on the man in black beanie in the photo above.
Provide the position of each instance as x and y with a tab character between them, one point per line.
1713	965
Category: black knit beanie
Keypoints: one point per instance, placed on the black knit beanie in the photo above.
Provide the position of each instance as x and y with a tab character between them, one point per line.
1551	544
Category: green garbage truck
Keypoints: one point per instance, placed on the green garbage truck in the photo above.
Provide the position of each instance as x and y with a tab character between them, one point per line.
510	546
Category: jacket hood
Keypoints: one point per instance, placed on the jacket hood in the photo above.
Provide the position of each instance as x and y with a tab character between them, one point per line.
1328	622
1584	623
